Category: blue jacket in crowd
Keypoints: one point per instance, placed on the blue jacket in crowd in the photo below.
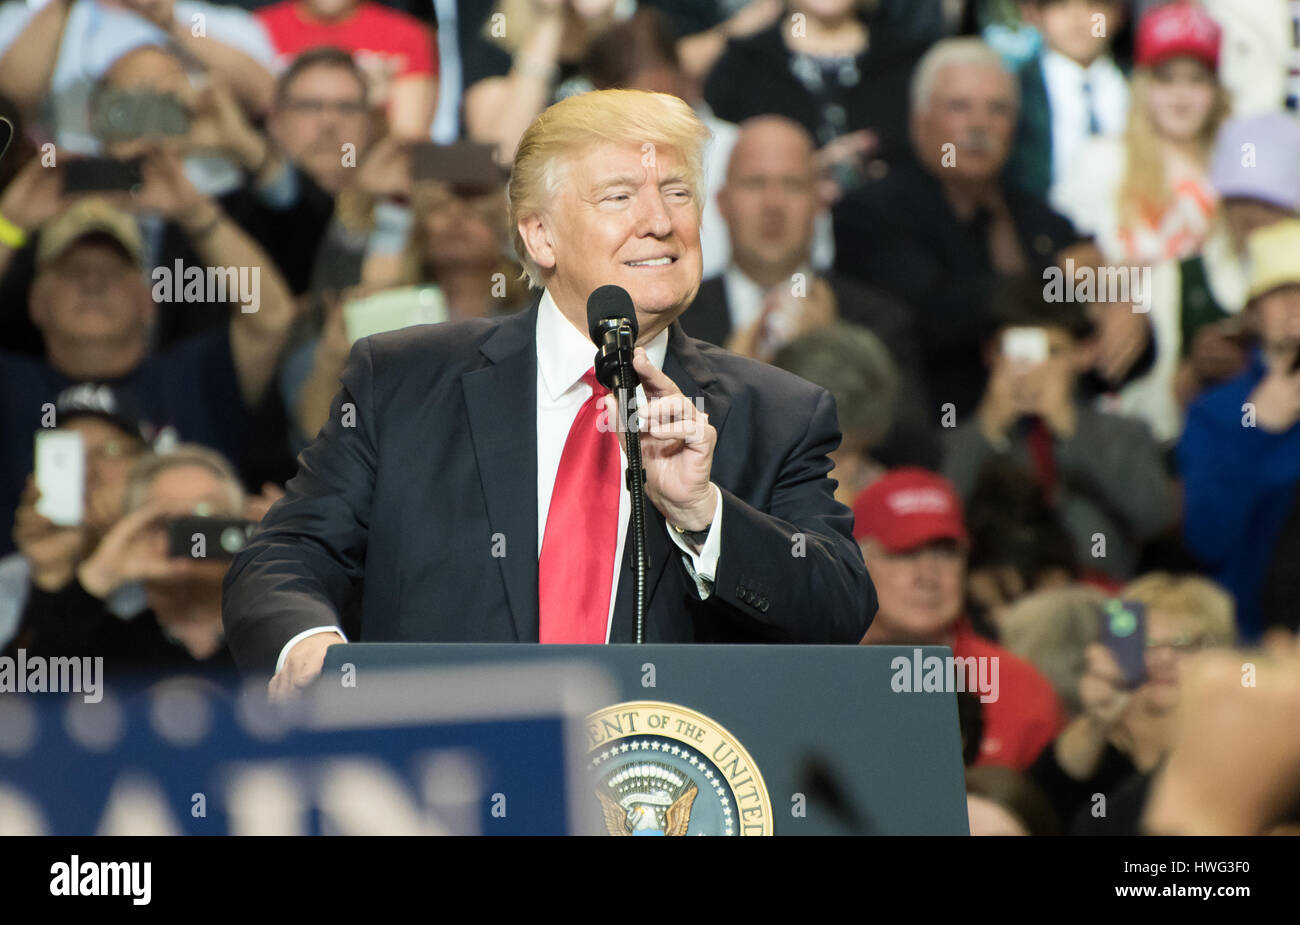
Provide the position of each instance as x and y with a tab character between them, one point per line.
1239	481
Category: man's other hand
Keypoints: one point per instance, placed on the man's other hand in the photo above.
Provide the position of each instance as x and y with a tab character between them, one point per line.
301	666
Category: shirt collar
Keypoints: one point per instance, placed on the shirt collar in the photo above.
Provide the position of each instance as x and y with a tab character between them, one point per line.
738	277
565	353
1055	61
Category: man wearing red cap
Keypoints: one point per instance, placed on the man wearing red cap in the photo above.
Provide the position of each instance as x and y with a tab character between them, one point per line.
910	527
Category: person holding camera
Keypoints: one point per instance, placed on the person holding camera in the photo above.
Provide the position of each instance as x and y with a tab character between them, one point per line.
1126	724
111	436
52	55
95	309
1102	473
161	543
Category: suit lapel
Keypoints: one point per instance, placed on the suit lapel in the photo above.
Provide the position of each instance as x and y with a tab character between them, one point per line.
501	402
709	317
687	367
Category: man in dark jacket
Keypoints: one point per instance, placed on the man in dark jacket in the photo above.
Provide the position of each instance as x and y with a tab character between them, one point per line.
937	232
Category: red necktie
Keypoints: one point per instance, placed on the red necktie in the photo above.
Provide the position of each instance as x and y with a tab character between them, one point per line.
576	567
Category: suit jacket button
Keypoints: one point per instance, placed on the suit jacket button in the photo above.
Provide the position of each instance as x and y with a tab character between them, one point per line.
763	606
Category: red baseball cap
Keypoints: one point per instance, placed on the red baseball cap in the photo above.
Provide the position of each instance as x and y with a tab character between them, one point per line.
907	508
1175	30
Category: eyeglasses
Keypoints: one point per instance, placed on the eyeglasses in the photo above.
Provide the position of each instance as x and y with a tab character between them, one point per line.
115	449
1182	644
306	107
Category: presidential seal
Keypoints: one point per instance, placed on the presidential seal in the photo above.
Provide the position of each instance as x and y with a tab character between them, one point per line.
662	769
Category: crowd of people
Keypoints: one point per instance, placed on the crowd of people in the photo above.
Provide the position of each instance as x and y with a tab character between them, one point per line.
1044	254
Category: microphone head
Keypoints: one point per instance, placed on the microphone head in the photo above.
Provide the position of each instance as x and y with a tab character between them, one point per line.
609	302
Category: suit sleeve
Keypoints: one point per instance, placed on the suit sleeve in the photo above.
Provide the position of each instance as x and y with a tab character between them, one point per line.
305	564
794	573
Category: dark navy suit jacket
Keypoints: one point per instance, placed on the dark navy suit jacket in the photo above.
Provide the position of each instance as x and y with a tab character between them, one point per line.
407	510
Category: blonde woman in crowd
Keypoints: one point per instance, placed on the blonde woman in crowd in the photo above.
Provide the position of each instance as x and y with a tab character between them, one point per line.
1147	196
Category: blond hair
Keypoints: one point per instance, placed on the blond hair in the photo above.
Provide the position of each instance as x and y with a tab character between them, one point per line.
1190	598
1145	192
638	117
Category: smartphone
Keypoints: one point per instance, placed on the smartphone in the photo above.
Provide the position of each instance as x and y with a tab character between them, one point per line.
61	476
123	115
1124	632
1028	345
463	164
218	538
393	309
101	174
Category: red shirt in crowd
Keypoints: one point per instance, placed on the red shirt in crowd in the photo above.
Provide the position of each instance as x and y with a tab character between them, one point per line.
1025	717
374	34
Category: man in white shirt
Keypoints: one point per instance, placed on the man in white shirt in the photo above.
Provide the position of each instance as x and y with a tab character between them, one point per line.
1072	92
467	488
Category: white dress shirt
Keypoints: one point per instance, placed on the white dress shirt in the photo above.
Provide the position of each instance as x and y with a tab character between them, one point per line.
564	354
1065	81
745	300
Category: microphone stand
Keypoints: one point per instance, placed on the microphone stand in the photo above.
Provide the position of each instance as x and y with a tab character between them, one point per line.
616	358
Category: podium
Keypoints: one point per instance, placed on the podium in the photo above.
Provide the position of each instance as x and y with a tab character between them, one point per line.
715	739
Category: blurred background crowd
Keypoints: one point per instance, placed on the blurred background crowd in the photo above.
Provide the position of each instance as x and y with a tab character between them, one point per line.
1035	467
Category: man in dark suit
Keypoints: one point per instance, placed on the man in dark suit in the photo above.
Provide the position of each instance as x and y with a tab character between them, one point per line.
770	295
939	230
467	486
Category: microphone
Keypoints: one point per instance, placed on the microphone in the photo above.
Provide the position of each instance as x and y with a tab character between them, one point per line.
611	321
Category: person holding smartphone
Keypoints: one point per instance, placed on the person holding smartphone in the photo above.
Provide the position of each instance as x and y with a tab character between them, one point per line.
180	627
1240	450
108	435
1127	719
1102	473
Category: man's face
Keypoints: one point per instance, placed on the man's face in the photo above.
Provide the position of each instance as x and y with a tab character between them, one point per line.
920	591
110	452
323	109
622	216
1278	314
973	109
1030	381
182	490
1078	29
146	69
91	294
770	200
